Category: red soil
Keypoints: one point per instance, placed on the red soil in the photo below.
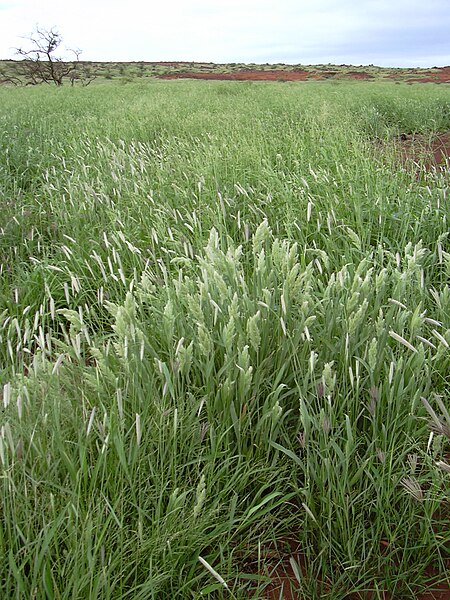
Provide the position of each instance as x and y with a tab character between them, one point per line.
433	76
436	75
284	583
425	152
441	148
245	76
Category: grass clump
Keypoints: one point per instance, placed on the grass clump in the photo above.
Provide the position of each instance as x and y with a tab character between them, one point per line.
224	323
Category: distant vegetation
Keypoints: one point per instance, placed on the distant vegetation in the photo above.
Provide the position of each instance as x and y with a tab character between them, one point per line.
224	338
12	71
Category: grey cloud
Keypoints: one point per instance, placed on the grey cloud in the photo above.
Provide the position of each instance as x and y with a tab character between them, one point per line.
391	32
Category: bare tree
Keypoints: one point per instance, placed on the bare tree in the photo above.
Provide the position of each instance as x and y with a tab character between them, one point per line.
83	74
40	64
6	78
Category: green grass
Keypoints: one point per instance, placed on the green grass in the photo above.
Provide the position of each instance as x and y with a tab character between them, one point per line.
220	307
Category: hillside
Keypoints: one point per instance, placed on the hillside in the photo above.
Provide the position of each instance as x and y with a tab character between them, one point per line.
127	71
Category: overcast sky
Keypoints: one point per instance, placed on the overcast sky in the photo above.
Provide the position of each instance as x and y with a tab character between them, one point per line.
382	32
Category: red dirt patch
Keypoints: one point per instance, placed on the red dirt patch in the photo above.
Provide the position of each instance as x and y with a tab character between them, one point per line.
269	75
197	71
244	76
441	148
276	564
441	593
284	583
441	75
425	152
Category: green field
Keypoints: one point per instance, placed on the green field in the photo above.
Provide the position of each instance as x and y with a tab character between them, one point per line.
221	305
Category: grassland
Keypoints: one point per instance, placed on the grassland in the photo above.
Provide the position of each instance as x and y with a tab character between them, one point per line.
128	72
221	305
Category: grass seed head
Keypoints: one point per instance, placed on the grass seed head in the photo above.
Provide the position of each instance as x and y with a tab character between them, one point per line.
413	488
